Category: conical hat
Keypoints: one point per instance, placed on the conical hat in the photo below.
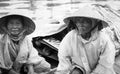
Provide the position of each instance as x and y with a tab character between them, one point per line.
28	22
88	11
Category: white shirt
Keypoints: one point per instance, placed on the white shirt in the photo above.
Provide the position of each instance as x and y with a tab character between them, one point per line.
95	56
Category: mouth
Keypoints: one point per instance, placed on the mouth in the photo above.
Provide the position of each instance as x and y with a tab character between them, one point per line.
82	28
14	29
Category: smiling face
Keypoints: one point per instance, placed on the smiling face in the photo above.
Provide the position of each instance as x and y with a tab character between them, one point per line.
84	25
14	26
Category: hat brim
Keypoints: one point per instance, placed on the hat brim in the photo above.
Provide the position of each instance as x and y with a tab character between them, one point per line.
87	12
28	23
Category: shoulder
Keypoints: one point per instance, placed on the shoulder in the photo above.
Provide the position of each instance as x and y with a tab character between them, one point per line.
108	31
68	38
106	34
71	33
27	40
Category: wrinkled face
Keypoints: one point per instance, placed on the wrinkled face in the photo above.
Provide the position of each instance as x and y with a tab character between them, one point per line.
14	26
84	25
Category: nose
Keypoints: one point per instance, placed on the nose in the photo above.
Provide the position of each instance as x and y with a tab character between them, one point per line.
15	26
80	25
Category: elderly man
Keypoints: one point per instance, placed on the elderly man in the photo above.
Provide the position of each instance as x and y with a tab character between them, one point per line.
86	49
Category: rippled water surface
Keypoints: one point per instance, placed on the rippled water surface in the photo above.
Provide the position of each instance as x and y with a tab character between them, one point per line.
45	11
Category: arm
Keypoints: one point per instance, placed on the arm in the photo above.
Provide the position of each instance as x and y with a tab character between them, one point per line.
64	54
107	56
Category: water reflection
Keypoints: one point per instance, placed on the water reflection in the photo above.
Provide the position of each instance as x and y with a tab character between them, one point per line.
42	8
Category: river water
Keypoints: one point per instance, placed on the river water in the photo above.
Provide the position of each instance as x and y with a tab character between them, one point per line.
45	11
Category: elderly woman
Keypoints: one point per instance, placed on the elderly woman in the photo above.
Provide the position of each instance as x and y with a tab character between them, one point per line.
16	49
86	49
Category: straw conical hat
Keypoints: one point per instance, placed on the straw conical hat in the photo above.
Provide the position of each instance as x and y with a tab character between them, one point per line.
28	22
88	11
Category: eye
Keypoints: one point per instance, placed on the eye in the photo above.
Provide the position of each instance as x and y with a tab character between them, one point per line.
10	22
18	23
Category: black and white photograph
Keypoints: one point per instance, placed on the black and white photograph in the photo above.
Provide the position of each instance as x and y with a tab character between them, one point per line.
59	36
